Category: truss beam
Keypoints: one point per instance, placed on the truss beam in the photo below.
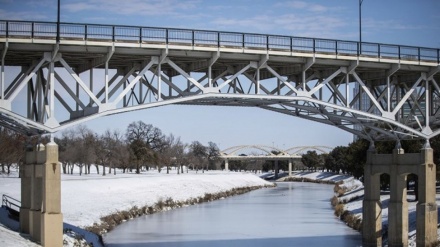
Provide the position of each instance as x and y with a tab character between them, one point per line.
376	100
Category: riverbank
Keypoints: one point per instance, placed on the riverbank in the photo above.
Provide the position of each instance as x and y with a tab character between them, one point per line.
87	199
351	195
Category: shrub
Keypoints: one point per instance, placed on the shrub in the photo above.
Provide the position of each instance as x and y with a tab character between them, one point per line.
334	201
160	204
125	215
339	210
169	202
208	197
150	210
351	220
117	218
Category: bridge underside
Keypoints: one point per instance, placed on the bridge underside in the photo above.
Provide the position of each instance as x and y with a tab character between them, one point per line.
47	86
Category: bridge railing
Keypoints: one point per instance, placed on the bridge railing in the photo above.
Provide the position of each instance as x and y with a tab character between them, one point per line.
138	34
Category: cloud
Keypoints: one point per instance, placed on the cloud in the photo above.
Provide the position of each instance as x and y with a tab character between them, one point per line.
303	6
23	15
293	24
132	7
374	24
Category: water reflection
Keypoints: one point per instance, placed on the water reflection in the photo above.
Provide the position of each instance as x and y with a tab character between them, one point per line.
292	214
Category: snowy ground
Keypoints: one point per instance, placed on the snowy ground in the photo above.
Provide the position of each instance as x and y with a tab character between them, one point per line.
86	198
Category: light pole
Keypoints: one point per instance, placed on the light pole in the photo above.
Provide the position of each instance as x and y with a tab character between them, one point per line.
58	22
360	26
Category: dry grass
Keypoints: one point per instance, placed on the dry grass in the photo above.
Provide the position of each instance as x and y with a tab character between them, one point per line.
339	190
351	220
346	216
339	210
309	180
334	201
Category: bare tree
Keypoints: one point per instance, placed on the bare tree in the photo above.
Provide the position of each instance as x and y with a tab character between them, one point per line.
103	148
77	149
180	154
68	144
122	155
213	154
11	149
119	151
144	141
198	155
172	152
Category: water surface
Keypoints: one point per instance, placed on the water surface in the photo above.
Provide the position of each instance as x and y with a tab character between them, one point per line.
292	214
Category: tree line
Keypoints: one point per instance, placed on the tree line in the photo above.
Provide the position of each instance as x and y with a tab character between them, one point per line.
141	147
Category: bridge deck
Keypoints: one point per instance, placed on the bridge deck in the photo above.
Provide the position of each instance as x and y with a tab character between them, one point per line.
313	78
95	38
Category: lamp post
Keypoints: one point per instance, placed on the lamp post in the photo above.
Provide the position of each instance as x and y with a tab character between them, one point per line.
58	22
360	26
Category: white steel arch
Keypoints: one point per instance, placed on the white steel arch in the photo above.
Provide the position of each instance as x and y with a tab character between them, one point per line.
267	149
299	149
290	153
390	92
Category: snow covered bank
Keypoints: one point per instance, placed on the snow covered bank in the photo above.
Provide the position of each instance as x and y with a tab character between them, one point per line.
87	198
323	177
352	196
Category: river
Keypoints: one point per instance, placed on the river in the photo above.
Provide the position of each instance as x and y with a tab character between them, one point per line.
291	214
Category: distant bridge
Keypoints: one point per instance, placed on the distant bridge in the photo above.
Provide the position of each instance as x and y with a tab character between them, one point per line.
268	153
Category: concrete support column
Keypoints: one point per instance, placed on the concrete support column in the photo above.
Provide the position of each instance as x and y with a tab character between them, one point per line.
26	173
426	207
372	208
290	168
39	156
276	169
52	219
226	165
398	205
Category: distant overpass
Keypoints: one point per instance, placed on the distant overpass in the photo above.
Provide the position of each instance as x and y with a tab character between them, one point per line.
268	153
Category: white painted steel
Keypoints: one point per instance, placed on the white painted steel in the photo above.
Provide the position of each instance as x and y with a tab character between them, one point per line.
396	98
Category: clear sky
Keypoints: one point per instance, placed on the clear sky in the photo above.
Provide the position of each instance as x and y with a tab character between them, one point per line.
406	22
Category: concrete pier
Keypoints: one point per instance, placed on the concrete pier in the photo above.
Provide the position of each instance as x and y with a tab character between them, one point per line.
40	212
398	165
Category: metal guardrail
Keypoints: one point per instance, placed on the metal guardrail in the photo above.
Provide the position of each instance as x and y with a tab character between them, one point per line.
11	203
138	34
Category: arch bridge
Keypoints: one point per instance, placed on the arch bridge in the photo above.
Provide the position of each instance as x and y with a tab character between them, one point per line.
56	75
268	153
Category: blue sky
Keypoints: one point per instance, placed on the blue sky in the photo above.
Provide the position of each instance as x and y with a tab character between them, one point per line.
406	22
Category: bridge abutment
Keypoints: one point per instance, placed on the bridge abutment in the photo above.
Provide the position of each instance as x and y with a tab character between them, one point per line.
40	213
398	165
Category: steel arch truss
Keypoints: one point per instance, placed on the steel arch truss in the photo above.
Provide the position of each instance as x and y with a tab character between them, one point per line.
232	153
267	150
54	86
236	152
